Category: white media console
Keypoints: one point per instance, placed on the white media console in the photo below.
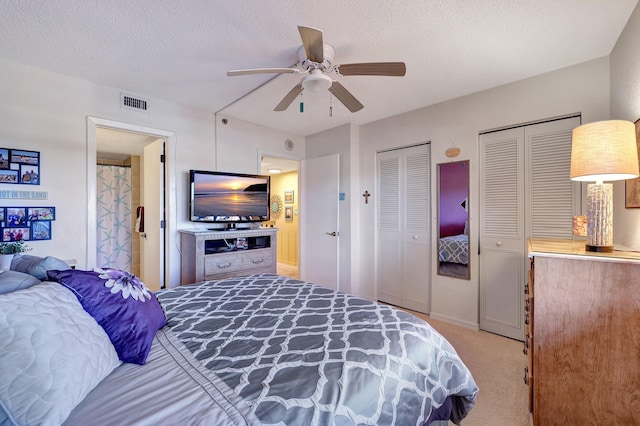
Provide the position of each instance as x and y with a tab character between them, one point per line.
211	255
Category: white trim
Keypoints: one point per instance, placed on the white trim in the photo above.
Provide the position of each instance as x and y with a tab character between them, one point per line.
454	321
170	191
262	153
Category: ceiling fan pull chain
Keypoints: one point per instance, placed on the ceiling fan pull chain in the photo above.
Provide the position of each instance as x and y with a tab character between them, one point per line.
330	105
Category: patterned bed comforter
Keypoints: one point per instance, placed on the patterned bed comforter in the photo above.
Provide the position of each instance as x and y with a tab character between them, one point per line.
454	249
301	354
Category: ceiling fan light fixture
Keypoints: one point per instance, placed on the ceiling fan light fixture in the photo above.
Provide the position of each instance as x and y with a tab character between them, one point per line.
317	82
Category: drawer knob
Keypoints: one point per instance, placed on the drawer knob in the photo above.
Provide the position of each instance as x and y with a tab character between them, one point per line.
257	261
223	265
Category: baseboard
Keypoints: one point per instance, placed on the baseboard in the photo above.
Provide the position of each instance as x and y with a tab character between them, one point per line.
455	321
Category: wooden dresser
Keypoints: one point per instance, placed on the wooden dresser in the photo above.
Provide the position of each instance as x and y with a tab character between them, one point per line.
582	335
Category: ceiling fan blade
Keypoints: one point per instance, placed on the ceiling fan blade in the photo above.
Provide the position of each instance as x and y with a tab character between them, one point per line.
286	101
263	71
344	96
390	69
312	42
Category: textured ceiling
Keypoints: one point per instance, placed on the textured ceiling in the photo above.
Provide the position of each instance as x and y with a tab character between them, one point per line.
180	51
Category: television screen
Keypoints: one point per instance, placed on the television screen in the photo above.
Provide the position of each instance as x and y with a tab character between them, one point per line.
228	197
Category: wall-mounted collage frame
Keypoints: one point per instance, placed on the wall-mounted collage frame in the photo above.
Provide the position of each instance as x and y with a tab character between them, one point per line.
26	223
18	166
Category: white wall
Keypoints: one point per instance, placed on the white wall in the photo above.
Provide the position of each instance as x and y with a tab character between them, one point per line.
625	105
241	143
47	112
582	88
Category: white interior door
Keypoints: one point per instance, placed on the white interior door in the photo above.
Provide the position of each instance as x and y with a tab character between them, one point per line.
153	238
319	251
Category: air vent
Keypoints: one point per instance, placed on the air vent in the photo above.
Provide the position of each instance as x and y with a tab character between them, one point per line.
133	102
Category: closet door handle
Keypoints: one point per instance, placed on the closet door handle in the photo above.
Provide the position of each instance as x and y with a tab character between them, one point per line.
333	234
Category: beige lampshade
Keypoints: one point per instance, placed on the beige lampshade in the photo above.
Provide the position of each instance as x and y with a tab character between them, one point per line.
604	151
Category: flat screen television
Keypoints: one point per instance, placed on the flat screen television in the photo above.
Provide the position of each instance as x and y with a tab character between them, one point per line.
228	198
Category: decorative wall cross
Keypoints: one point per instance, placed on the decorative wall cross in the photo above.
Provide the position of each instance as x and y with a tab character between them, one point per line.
366	196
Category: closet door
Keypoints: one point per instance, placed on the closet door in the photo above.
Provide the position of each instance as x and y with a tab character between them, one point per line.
553	198
404	218
525	192
502	237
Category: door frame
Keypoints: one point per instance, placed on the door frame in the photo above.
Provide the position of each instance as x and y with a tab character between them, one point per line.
170	188
263	153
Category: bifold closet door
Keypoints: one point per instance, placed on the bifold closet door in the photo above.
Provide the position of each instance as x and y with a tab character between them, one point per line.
525	191
404	227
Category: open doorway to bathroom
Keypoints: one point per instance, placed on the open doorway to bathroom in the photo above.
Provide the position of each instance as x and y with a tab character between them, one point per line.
284	210
123	160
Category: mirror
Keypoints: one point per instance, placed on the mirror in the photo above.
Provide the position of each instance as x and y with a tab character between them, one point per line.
453	219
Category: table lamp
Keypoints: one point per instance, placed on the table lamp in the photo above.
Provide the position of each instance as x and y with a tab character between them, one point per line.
602	151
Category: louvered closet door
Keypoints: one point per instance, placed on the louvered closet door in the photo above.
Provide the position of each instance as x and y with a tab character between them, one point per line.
502	237
553	197
404	249
525	192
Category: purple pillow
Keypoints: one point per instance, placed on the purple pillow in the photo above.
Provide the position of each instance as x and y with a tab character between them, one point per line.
125	308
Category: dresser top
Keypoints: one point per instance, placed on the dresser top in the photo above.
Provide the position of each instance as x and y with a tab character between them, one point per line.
229	233
576	248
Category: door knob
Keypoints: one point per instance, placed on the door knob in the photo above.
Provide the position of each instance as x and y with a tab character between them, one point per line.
333	234
499	243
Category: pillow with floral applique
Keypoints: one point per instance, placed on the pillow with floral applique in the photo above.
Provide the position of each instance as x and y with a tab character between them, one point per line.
126	309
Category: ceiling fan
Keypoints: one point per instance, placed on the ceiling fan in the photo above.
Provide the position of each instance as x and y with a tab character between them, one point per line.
316	63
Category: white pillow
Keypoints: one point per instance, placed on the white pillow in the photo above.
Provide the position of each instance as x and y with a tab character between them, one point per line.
52	354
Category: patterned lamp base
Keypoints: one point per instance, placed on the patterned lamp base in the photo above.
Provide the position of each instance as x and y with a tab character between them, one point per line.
600	217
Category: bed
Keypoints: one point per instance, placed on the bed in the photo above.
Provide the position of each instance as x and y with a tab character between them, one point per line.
262	349
454	249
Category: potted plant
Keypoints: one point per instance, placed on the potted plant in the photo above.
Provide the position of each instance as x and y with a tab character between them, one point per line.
10	248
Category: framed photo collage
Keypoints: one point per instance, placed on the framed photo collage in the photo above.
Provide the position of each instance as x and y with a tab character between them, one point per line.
26	223
19	166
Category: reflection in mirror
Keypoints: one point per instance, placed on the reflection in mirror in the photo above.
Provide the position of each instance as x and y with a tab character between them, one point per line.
453	219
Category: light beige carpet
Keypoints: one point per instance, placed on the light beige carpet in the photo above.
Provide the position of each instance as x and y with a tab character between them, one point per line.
497	365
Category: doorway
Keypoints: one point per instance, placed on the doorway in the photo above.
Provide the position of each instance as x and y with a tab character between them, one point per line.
157	191
284	197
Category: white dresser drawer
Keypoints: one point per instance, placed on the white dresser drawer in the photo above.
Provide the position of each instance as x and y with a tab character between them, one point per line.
222	263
